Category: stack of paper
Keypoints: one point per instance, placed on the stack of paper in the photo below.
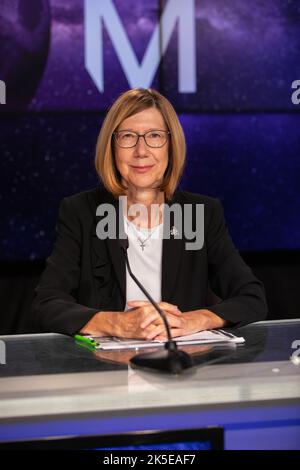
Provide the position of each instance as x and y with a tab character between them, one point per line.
202	337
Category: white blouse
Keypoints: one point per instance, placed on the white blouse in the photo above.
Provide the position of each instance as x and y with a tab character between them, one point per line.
145	259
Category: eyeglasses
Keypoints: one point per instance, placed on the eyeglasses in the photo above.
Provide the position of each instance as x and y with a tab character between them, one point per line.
154	138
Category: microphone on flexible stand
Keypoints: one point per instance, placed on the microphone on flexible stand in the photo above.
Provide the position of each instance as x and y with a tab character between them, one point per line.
170	360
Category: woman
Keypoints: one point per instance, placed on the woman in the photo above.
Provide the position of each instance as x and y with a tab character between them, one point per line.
85	287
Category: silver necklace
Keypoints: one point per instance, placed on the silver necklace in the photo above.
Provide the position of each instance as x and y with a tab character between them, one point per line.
142	242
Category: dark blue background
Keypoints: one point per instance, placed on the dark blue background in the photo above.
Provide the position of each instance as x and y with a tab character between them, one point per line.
250	161
242	130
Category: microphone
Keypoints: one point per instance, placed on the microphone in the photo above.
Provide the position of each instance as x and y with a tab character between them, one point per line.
170	360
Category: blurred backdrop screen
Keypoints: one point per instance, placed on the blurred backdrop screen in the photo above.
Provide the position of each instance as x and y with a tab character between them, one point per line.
228	67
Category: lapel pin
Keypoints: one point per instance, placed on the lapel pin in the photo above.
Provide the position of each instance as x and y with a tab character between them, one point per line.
174	231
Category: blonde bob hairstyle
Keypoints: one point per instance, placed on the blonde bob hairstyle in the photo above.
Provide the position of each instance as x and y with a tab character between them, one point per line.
129	103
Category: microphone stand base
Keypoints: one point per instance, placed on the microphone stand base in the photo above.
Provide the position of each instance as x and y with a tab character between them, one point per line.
165	360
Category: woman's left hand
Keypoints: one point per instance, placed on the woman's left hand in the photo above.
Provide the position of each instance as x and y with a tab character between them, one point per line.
181	323
188	323
153	323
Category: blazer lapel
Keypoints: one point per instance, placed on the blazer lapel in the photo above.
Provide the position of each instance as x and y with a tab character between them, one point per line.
171	257
118	261
115	253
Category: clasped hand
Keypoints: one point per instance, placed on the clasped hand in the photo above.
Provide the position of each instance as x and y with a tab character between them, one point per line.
143	321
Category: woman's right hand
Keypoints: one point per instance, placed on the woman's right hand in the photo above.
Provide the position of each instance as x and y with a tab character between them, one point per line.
140	322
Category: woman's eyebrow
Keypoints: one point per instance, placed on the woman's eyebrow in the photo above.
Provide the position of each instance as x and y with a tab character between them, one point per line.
149	130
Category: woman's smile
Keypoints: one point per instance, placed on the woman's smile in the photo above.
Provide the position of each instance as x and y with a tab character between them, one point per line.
141	168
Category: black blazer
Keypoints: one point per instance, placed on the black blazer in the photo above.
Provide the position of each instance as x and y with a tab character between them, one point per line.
85	275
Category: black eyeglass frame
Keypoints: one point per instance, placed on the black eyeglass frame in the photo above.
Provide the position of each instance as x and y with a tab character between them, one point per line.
115	134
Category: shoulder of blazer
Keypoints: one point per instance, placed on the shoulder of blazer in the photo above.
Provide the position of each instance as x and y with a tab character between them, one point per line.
99	195
213	209
89	200
85	203
186	197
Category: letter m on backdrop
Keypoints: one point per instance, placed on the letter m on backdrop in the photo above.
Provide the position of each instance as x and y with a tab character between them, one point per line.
100	12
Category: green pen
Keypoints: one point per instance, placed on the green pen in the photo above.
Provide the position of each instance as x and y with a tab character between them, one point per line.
86	340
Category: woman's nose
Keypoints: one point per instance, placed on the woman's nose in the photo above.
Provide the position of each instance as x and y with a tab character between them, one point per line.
141	146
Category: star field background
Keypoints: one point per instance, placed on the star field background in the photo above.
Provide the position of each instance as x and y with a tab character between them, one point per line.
247	56
242	130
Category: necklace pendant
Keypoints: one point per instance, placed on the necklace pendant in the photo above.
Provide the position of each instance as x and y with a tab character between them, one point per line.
142	245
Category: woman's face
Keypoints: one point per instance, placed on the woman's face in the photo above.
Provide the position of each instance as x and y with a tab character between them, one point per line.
142	166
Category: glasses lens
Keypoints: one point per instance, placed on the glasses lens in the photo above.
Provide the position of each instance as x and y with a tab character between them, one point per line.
126	138
156	138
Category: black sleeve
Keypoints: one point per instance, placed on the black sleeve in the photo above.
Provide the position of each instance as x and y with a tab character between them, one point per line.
230	278
54	307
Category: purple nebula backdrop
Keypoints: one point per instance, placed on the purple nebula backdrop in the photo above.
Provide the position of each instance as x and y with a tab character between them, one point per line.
247	56
242	130
234	157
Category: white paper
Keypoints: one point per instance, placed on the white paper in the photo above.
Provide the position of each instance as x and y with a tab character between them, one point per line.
202	337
